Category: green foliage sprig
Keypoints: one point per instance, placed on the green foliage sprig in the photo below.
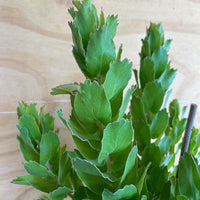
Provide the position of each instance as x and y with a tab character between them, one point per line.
119	155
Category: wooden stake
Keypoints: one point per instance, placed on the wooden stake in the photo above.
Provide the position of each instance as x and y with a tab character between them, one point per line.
188	132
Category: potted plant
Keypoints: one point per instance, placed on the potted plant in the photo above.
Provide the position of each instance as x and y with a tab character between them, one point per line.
120	154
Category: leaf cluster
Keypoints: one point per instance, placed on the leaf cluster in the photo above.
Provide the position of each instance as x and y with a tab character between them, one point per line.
127	140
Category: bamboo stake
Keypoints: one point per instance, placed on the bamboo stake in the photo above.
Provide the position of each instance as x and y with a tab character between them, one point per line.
188	132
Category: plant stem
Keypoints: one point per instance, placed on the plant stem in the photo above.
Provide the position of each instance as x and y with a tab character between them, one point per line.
188	132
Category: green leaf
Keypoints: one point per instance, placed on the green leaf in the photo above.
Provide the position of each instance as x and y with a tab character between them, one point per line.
152	97
117	136
91	175
142	178
86	23
165	144
151	154
44	184
159	27
195	172
112	23
181	197
26	146
47	122
174	111
60	193
167	78
31	110
86	150
160	59
125	102
146	71
129	163
49	147
30	123
125	193
100	52
102	19
159	124
145	51
154	40
117	78
119	53
167	45
141	134
64	167
91	104
35	169
137	109
186	182
79	130
166	191
158	176
65	89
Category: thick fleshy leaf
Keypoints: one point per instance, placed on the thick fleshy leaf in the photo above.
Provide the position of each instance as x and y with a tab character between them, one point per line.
160	59
152	97
195	172
100	52
151	154
129	163
186	182
35	169
91	175
146	50
47	122
119	53
165	144
26	146
137	109
30	123
91	104
166	191
49	147
142	178
142	134
167	78
181	197
44	184
86	23
112	23
64	167
174	111
86	150
154	40
102	19
167	45
60	193
159	124
77	40
65	89
117	78
146	71
125	193
125	102
117	136
158	176
159	27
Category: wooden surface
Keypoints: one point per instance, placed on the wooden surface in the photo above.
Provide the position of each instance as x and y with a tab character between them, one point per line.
35	55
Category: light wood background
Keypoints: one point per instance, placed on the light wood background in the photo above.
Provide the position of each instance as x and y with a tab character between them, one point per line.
35	55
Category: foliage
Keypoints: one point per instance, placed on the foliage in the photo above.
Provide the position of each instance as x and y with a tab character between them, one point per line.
119	155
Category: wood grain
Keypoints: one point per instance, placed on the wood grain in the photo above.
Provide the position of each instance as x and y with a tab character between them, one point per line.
35	55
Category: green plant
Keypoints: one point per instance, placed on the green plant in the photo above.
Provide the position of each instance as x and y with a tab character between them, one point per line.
119	155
